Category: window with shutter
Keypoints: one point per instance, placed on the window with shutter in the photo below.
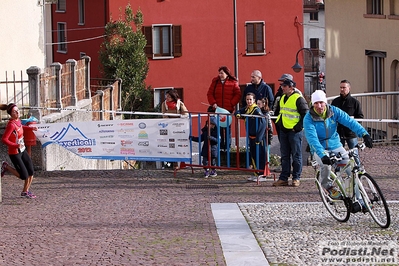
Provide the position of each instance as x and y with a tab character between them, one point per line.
61	37
314	16
255	38
375	70
375	7
314	43
61	6
81	11
163	41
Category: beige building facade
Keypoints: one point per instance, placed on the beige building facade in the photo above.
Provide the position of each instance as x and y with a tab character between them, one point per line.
362	45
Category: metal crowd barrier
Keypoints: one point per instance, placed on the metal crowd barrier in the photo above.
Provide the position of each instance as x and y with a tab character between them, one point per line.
236	157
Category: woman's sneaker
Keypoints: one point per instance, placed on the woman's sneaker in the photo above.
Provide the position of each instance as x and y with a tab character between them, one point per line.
3	168
32	196
206	173
28	195
213	173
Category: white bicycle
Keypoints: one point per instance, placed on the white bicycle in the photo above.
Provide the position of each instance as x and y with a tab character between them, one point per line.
359	191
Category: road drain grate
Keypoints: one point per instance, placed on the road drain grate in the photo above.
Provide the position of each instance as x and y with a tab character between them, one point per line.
202	186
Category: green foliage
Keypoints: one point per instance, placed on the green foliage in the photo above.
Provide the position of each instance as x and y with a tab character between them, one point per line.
275	160
122	56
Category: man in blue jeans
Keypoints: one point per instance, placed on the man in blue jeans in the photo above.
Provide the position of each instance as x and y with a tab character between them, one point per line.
290	112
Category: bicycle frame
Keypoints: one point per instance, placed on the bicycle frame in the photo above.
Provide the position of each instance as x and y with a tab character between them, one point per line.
347	185
358	191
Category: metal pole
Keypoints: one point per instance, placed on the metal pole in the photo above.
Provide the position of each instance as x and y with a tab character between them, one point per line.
236	55
235	39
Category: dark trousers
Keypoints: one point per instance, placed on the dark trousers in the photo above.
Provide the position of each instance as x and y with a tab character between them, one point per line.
225	138
258	154
291	146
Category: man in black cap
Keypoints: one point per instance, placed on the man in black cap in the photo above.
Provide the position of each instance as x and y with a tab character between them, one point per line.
277	97
290	112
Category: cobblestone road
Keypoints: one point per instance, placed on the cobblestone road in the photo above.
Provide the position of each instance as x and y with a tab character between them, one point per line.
141	217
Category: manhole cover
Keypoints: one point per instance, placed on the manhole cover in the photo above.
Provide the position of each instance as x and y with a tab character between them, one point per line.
202	186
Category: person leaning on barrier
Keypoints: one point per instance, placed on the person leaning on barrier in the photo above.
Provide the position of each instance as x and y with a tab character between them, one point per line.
256	133
290	112
173	105
320	125
212	138
264	107
353	108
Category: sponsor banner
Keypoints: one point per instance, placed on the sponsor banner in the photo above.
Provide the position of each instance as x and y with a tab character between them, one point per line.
140	139
358	252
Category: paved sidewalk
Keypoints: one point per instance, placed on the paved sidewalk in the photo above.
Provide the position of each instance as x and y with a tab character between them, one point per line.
141	217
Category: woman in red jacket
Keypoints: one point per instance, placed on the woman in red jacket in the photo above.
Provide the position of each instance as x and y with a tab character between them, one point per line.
13	137
224	92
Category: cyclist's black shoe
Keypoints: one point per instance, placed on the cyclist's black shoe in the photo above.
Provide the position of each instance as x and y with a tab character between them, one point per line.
356	207
364	208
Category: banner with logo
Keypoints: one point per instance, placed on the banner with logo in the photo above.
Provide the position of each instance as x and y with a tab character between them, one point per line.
140	139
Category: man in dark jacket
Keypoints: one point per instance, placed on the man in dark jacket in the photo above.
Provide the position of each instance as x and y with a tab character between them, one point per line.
259	88
353	108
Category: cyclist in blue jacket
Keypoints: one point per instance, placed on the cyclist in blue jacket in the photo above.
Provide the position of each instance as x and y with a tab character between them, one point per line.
320	125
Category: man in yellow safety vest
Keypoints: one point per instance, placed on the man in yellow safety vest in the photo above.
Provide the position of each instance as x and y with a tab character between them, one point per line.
290	112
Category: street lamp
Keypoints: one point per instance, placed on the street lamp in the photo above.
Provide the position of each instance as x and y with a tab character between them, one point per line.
297	67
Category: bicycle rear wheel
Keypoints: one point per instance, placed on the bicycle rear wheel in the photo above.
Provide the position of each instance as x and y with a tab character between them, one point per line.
374	201
336	207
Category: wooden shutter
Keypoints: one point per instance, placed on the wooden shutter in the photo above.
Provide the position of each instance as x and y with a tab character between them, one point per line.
147	31
180	92
177	42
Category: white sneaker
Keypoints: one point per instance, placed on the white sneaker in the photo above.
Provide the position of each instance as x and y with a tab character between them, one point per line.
252	178
255	179
262	179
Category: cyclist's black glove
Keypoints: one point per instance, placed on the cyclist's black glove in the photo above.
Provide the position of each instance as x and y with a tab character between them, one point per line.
326	160
368	141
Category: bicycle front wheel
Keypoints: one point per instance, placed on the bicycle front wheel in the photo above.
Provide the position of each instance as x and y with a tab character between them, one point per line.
374	201
336	207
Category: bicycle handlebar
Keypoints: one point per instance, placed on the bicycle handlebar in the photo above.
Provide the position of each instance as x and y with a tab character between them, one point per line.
338	157
352	153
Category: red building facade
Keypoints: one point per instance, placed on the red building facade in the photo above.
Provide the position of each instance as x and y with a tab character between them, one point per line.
188	40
